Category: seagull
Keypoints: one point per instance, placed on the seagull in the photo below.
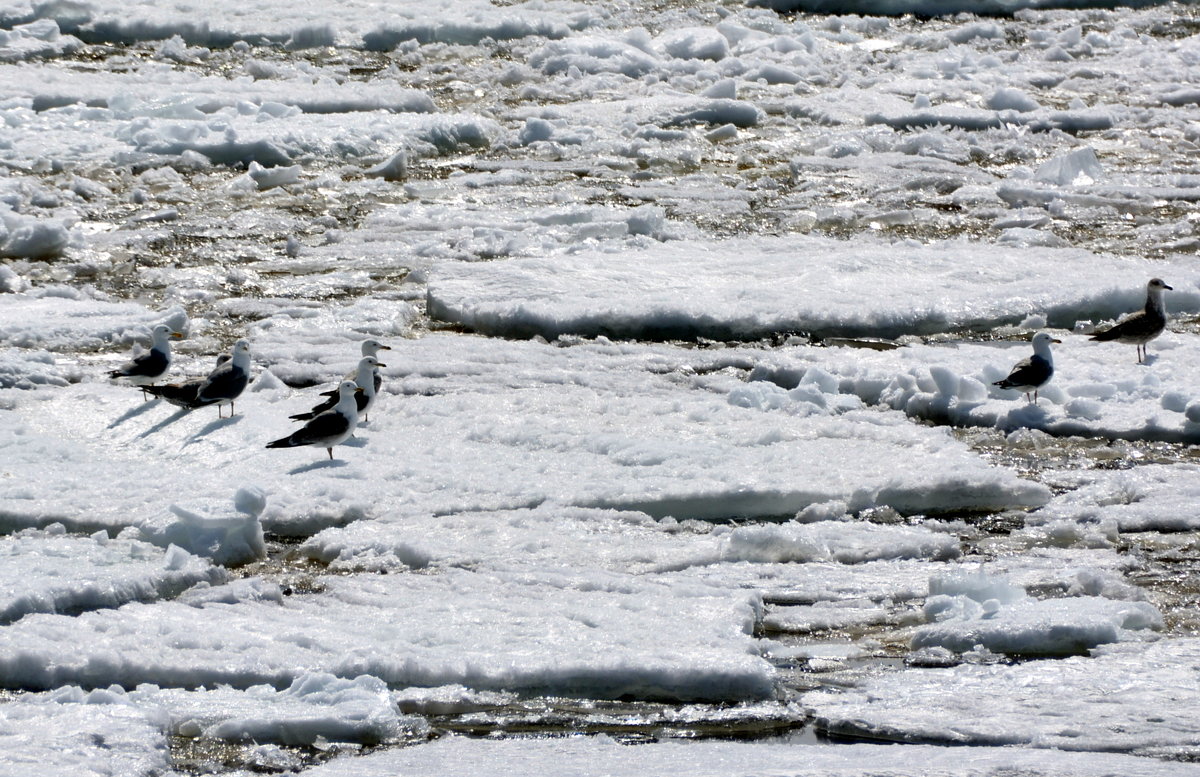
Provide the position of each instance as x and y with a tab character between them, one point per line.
1031	374
223	385
1143	326
185	394
371	348
145	368
329	428
364	378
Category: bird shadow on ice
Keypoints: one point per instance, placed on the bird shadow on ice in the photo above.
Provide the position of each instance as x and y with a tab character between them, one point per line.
134	412
163	424
317	465
209	428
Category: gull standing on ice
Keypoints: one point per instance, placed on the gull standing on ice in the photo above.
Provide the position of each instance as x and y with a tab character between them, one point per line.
1029	375
365	377
222	386
143	369
330	428
185	394
1143	326
371	348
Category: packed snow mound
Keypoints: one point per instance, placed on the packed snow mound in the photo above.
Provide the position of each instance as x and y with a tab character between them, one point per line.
976	611
37	40
315	707
229	540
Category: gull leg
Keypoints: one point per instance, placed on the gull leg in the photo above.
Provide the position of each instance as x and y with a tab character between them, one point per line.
330	453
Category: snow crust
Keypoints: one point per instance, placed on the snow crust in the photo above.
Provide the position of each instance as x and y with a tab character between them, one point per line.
575	515
50	571
1115	708
585	755
604	636
597	425
798	284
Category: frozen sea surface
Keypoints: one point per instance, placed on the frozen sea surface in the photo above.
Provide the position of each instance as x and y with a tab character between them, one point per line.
688	426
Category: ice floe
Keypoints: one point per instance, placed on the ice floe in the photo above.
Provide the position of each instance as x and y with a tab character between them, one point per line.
1125	698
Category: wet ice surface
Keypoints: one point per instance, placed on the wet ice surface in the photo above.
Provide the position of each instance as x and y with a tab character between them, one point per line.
687	429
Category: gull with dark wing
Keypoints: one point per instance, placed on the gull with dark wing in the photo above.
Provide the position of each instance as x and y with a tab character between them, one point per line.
185	394
364	377
1029	375
222	386
370	348
1143	326
145	368
330	428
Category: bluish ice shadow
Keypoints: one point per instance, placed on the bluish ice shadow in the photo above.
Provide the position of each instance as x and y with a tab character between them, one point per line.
211	427
163	424
325	464
134	412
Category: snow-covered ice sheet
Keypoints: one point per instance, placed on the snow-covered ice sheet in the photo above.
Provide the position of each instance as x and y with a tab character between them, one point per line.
54	572
591	633
299	174
609	539
1125	698
485	425
314	707
80	740
586	756
746	288
1098	389
1153	497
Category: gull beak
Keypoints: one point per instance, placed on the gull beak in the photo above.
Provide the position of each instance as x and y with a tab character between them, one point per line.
388	347
177	335
1057	341
1168	288
380	364
358	390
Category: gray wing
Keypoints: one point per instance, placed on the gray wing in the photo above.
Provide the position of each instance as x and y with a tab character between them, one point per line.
1033	371
147	365
224	383
324	427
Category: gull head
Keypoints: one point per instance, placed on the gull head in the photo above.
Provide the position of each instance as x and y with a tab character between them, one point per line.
372	347
241	354
1158	285
1042	342
161	332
